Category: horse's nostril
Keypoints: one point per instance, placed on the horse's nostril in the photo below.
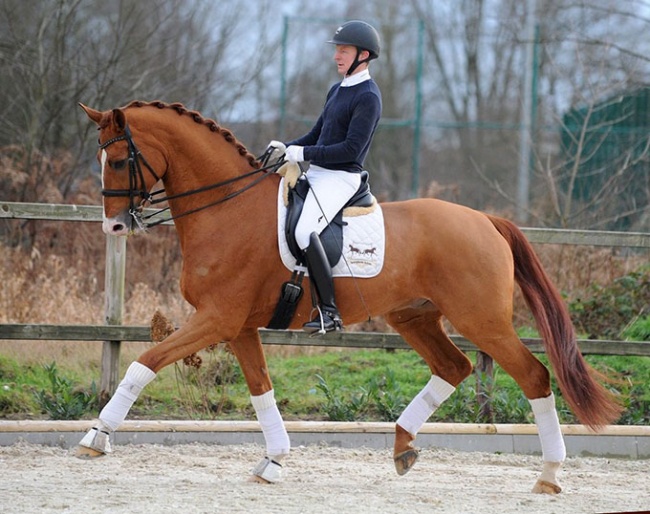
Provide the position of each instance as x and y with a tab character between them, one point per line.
118	227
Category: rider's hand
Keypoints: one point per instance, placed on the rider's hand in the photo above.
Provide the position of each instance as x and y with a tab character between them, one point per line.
276	151
294	154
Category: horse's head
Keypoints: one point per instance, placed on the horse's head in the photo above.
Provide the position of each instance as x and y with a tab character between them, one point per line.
127	177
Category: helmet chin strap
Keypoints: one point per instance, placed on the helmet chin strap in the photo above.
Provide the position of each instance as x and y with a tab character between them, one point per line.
355	64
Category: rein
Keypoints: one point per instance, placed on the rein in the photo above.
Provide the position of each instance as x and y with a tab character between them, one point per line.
137	185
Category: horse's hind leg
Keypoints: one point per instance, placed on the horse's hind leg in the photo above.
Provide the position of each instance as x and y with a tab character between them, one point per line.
422	328
504	346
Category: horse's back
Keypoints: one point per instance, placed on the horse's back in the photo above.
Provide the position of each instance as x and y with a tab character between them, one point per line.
429	221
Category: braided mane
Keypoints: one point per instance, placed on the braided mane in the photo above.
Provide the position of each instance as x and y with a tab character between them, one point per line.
198	118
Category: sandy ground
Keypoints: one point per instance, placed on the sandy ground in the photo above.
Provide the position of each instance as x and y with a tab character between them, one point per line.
199	478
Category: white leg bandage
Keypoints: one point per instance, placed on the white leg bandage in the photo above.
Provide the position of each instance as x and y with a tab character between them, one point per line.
275	435
137	376
548	426
424	404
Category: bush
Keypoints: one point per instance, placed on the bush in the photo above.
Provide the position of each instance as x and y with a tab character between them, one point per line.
608	312
63	401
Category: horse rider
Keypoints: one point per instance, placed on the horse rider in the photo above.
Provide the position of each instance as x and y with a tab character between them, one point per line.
336	147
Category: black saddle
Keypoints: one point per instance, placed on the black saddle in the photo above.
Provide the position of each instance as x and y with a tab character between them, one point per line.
332	236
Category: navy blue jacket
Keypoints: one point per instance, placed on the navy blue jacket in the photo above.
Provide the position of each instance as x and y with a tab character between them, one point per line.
341	137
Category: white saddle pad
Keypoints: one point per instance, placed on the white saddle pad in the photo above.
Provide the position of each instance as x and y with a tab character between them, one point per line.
364	242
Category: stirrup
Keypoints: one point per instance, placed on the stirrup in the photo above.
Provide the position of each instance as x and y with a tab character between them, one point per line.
325	322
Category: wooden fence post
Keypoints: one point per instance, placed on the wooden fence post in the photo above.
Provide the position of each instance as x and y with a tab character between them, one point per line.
114	281
484	370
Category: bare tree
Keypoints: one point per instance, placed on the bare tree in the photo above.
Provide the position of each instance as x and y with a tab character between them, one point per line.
225	59
105	54
593	166
473	74
588	53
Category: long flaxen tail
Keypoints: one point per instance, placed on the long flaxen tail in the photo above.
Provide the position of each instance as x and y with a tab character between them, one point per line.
592	403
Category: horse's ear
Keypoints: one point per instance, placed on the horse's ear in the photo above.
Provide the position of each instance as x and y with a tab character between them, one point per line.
119	118
94	115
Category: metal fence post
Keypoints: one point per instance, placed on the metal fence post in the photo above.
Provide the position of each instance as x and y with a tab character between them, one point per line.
115	275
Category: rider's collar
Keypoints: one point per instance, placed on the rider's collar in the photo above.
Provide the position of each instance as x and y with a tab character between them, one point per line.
355	79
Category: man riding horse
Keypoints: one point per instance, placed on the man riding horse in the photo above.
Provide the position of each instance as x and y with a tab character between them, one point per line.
336	147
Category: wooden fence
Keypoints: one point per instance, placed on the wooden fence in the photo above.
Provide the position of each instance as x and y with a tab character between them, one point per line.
112	333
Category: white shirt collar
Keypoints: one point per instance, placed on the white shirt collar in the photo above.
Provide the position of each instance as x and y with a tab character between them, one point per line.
356	78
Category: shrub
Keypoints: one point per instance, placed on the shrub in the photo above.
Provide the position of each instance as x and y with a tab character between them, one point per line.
606	312
63	400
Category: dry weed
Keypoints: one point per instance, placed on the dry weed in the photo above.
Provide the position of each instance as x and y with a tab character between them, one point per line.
54	282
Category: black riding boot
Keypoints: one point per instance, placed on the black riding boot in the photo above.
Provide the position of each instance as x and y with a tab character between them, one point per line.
320	276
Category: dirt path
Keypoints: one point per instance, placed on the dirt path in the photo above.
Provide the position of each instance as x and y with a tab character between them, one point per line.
199	478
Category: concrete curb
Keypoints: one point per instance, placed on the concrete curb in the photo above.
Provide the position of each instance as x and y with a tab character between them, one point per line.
615	441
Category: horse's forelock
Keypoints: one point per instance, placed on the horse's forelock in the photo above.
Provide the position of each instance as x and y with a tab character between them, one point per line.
198	118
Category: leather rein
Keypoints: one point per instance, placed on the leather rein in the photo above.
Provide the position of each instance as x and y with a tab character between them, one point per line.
137	185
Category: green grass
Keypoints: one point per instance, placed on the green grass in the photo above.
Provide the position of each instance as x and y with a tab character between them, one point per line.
364	385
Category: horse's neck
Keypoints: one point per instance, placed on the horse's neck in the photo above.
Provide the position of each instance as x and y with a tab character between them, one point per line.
199	165
229	220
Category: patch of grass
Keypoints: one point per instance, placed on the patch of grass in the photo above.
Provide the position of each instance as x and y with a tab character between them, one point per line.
638	330
362	385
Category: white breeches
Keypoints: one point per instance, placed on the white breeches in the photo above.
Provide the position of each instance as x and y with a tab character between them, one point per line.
329	192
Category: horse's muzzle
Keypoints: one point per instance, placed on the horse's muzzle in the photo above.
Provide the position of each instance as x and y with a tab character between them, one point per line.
120	225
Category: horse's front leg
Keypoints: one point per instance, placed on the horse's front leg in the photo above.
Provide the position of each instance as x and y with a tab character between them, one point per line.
197	334
247	347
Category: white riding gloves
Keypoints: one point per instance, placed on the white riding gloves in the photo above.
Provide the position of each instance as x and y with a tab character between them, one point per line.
277	150
294	154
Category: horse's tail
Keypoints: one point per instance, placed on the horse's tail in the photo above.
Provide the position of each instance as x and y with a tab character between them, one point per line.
592	403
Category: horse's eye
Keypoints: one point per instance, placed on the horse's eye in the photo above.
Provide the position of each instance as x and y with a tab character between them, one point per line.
118	165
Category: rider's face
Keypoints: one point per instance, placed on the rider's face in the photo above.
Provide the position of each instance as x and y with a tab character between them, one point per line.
344	56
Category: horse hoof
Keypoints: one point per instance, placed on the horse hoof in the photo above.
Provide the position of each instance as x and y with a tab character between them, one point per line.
258	480
405	461
85	453
267	471
544	487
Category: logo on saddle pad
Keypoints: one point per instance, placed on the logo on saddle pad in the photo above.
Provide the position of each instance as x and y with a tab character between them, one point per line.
360	252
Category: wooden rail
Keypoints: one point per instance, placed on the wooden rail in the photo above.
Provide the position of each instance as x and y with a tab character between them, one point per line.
63	212
112	333
386	341
318	427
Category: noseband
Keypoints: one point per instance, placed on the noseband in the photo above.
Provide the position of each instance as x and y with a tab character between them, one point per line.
138	187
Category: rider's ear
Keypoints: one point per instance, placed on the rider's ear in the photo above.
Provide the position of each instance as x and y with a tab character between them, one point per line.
119	119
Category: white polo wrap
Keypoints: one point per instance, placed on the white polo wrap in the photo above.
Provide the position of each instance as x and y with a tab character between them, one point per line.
425	404
548	426
136	378
270	419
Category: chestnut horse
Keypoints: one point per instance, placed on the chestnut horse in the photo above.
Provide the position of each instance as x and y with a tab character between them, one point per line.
441	259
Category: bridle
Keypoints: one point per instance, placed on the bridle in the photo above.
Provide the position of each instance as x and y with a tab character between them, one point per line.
138	189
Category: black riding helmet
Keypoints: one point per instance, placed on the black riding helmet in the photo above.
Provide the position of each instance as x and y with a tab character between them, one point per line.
359	34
